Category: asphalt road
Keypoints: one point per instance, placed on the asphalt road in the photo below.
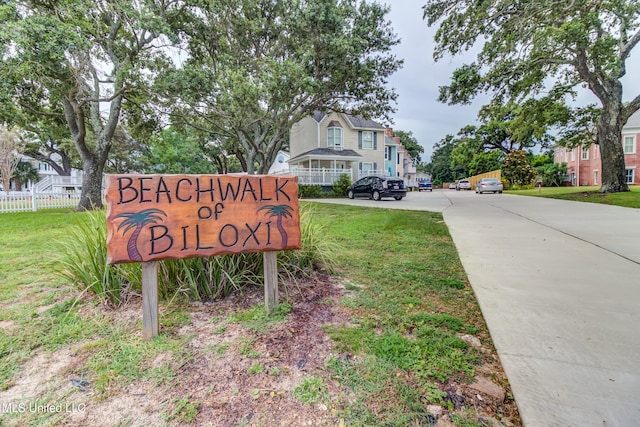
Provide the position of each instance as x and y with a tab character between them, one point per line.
559	286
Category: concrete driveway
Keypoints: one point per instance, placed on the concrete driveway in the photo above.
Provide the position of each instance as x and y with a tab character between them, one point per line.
559	286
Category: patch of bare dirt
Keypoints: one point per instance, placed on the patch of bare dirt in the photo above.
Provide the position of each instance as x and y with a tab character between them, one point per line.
215	379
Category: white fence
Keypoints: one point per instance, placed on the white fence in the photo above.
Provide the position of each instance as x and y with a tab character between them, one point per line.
25	201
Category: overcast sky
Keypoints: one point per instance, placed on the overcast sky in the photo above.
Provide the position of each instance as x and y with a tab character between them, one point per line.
418	81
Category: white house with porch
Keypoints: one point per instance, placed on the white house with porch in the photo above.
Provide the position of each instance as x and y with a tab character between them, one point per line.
326	145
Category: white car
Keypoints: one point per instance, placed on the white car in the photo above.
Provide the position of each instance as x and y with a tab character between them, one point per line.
463	184
489	184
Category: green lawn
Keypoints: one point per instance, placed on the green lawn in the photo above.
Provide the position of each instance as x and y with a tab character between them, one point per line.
586	194
407	295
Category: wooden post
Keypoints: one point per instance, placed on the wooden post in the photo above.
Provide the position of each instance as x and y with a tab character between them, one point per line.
270	280
150	323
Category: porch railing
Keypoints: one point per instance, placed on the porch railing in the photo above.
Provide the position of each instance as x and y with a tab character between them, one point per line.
318	176
326	176
56	182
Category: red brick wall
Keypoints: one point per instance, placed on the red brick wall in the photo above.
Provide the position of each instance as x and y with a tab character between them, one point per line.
584	169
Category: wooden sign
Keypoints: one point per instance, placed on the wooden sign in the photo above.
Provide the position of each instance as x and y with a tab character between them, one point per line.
154	217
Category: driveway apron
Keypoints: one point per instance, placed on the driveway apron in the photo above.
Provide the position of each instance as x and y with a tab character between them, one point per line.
558	283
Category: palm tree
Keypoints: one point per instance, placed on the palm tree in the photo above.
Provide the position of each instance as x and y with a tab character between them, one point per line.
24	173
137	220
279	211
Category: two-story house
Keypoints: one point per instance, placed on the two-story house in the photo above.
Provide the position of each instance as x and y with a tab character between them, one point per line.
584	164
324	146
398	161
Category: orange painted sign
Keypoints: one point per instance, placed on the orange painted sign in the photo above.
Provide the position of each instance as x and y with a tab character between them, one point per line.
154	217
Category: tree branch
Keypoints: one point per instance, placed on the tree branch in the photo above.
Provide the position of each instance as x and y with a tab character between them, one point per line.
631	107
629	45
41	113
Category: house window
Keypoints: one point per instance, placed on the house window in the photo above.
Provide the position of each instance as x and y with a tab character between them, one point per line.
585	153
629	175
367	168
629	144
387	153
573	155
334	138
595	177
367	140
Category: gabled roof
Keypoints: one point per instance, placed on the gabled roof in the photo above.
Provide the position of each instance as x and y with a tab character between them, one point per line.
325	153
318	116
362	123
355	122
633	122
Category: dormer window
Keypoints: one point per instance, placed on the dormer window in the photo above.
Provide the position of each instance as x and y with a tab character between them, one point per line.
335	135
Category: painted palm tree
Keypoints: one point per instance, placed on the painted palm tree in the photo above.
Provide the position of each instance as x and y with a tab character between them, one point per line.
279	211
137	220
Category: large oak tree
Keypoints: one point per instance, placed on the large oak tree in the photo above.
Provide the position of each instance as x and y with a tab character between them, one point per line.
80	61
544	50
256	67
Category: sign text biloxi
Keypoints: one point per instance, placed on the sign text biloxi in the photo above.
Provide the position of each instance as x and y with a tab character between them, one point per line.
153	217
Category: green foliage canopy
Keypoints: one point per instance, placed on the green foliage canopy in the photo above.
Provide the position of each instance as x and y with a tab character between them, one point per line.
257	67
82	63
539	52
410	144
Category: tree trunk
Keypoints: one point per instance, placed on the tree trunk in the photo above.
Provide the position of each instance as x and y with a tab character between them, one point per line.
250	162
611	151
91	197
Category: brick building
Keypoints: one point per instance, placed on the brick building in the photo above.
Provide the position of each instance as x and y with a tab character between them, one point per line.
584	164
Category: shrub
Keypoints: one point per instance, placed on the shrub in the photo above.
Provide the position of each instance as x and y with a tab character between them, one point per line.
341	185
316	252
516	168
309	191
552	174
84	263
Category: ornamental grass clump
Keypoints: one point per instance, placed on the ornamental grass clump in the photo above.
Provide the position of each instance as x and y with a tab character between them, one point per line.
84	262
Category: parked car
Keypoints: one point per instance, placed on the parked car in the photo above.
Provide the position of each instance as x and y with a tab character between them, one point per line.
425	186
463	184
452	186
377	187
489	184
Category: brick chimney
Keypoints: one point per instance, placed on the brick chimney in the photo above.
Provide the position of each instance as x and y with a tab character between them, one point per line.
389	133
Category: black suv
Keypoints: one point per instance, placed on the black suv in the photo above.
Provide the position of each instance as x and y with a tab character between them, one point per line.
377	187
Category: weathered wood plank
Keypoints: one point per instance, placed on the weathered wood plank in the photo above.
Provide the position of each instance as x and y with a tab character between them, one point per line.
150	320
270	280
154	217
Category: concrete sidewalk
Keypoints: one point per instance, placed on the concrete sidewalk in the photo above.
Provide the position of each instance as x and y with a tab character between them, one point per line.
559	285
